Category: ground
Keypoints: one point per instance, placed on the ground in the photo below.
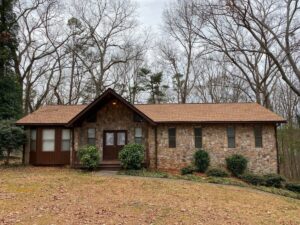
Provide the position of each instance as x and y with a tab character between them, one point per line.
31	195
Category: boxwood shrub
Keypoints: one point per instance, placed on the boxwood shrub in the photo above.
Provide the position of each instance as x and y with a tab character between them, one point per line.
273	180
187	170
236	164
201	160
132	156
293	187
216	172
89	157
253	179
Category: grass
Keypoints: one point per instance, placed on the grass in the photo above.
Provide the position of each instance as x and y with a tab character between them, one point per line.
214	180
41	195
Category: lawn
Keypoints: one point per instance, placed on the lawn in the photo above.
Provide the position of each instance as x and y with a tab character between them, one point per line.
32	195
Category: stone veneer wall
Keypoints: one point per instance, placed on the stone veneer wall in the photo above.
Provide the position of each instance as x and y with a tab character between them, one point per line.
261	160
110	117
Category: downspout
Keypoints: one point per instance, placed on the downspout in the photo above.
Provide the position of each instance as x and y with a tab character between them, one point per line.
73	150
277	151
155	137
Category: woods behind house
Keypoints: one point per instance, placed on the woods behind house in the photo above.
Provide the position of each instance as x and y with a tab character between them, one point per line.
66	52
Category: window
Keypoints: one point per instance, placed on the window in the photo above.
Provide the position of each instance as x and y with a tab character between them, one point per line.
109	139
48	140
91	136
138	135
137	118
121	138
231	137
33	140
172	137
258	136
65	140
198	137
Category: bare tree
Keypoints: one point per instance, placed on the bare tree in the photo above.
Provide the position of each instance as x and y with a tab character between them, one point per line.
277	19
181	51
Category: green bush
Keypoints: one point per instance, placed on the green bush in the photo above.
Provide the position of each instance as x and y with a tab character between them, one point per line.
236	164
253	179
89	157
215	172
202	160
132	156
293	187
273	180
187	170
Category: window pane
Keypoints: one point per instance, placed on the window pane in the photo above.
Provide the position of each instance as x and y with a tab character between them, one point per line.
48	134
138	140
91	141
138	132
33	134
109	139
48	140
258	136
91	133
66	134
172	137
65	145
121	138
33	140
231	137
198	137
48	146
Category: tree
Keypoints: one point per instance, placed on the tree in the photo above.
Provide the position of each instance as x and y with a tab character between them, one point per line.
10	98
11	138
280	21
181	51
152	83
8	36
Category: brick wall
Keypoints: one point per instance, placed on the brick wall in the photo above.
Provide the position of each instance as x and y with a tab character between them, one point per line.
261	160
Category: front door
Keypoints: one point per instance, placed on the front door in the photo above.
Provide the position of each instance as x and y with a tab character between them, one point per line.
113	141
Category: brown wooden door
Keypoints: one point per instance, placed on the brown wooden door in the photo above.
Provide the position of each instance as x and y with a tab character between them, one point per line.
113	142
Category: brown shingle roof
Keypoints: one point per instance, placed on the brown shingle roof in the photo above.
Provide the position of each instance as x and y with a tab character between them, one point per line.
224	112
52	114
164	113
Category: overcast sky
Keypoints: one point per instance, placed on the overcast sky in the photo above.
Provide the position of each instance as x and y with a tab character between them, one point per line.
150	12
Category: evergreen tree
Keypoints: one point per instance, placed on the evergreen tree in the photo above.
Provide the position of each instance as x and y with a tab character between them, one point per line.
152	83
8	36
10	88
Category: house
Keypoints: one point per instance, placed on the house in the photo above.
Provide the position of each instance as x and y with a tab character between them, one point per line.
171	133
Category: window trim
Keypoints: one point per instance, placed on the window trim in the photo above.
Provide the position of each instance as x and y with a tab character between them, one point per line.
198	136
231	137
260	136
172	143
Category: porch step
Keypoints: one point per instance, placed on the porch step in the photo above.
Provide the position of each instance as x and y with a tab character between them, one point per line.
110	166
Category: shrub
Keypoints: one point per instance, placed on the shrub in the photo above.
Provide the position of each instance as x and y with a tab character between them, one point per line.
89	157
236	164
202	160
293	187
187	170
253	179
215	172
132	156
273	180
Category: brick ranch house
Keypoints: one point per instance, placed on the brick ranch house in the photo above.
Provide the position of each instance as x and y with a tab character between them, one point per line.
171	133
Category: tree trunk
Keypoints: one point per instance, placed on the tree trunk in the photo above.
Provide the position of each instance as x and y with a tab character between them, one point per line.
7	157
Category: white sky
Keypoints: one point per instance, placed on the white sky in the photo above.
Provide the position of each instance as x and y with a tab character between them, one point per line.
150	12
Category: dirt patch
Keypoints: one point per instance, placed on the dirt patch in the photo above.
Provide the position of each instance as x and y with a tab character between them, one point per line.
33	195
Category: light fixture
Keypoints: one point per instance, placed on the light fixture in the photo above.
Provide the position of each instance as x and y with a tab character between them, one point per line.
114	103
